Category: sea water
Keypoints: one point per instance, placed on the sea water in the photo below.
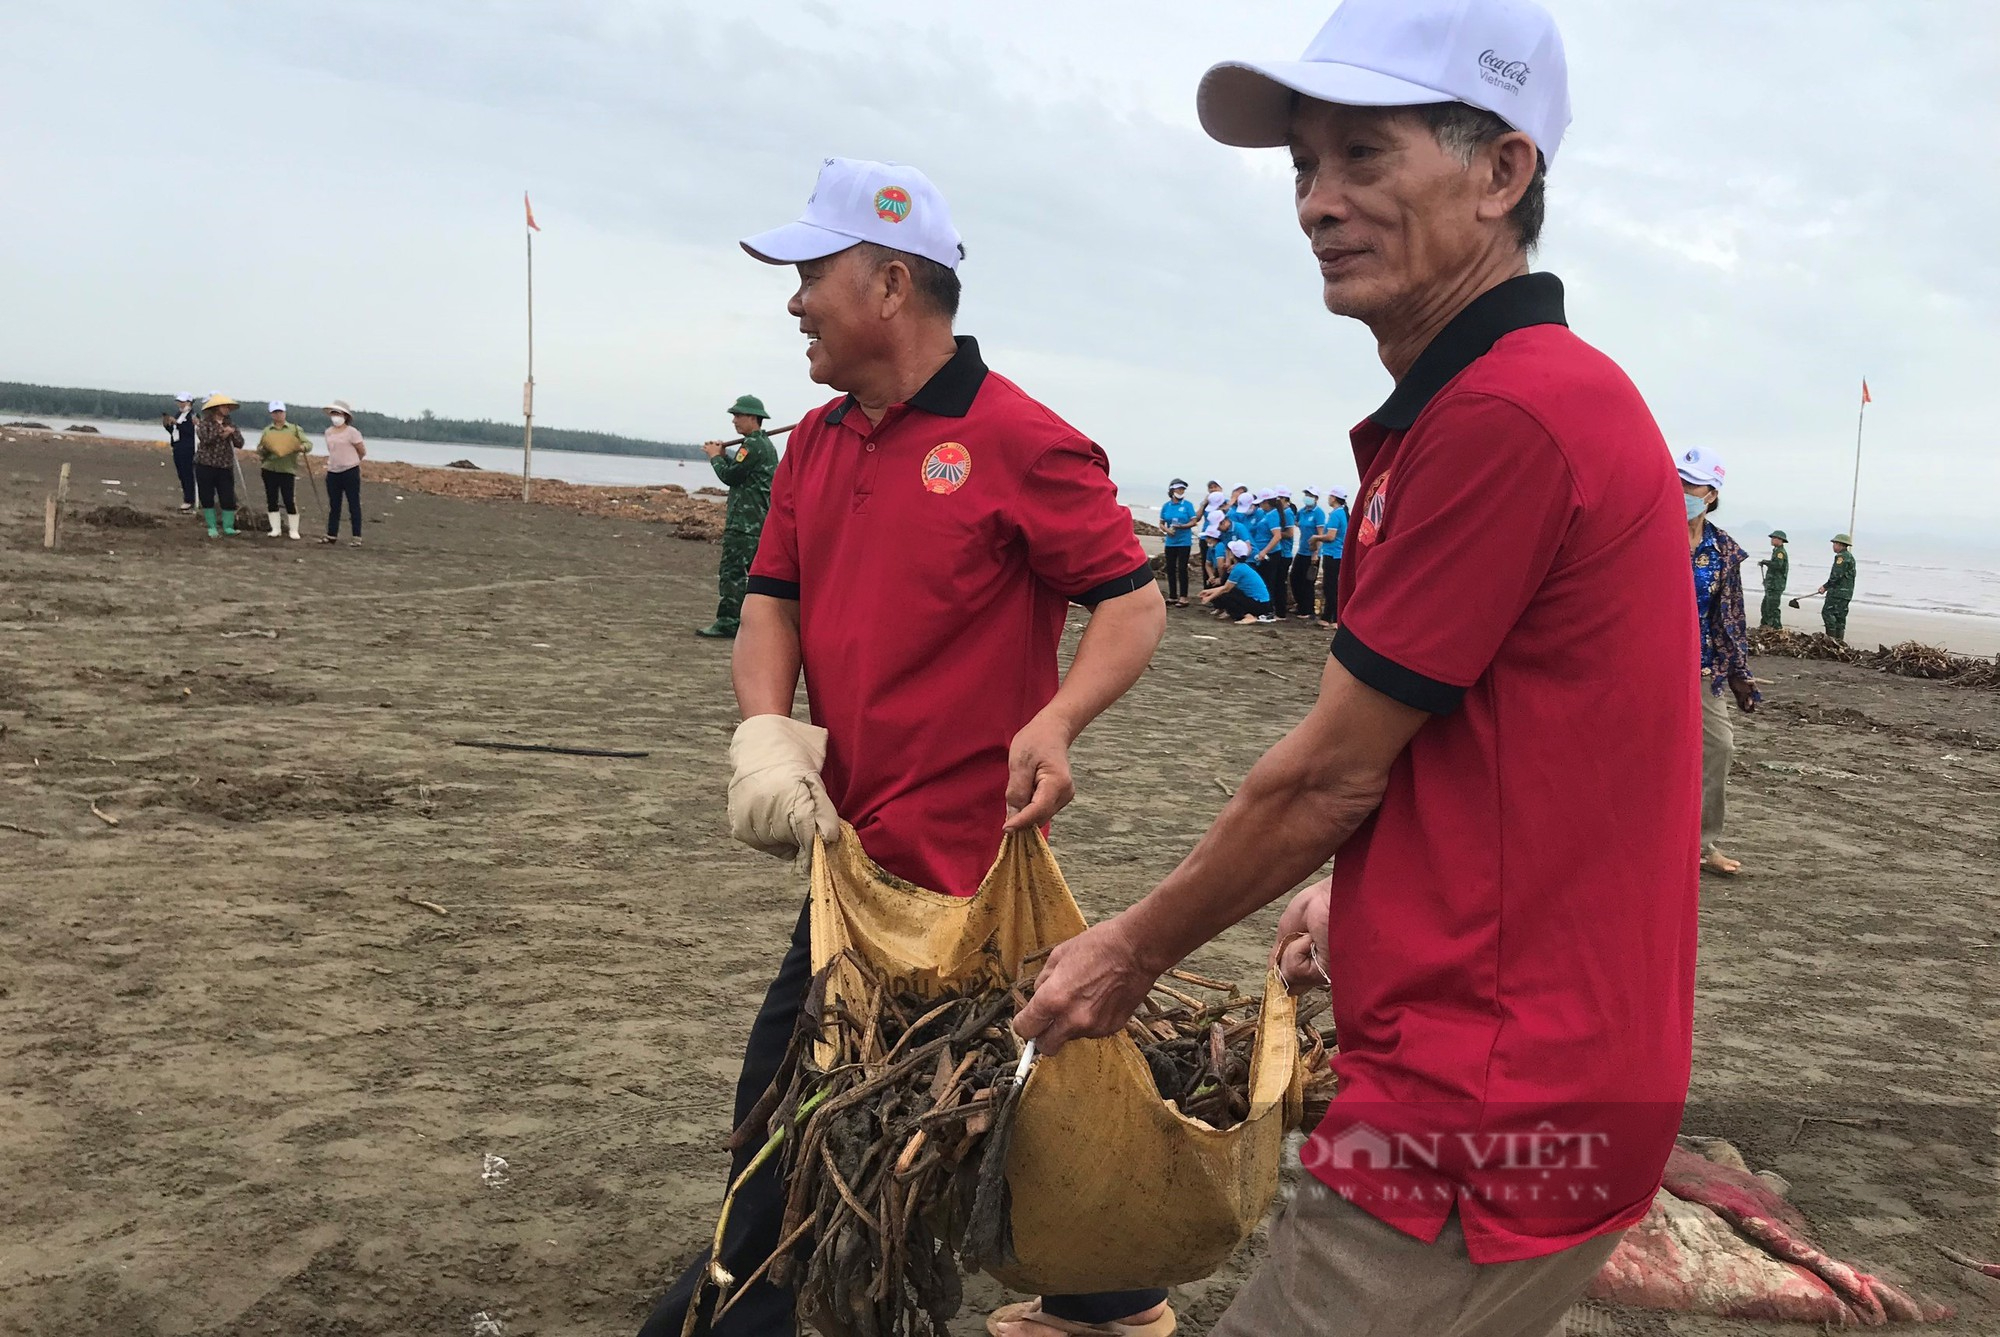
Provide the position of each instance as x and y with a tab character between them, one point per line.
1934	576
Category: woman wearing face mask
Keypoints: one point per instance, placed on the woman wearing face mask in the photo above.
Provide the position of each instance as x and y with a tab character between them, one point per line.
344	452
1725	644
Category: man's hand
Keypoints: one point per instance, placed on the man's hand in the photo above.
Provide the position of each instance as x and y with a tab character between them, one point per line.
1038	778
1746	694
777	802
711	448
1090	987
1300	928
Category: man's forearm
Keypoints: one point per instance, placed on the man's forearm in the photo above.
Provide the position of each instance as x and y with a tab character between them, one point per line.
1117	644
1296	808
766	662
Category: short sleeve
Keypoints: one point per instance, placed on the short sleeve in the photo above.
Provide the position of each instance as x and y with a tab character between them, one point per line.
1078	535
775	569
1475	508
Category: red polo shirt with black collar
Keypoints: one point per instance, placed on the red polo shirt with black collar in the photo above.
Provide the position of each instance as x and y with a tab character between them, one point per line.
1512	934
934	556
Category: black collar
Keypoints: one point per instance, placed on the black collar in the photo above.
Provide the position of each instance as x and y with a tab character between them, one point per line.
949	393
1530	299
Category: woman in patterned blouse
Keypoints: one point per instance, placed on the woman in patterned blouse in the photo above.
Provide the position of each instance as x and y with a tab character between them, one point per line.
1725	645
216	441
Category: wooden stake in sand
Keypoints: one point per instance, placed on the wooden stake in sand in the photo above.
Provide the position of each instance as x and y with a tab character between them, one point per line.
52	513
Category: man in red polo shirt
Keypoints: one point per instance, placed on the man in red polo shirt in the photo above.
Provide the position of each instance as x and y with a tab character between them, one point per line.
1505	749
928	533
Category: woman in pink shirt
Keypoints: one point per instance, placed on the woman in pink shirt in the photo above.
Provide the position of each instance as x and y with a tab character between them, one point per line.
344	452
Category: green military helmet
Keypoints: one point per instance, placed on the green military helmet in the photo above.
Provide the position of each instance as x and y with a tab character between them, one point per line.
1779	535
1843	540
750	405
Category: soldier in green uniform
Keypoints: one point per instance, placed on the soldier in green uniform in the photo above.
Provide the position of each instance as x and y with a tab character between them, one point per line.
1839	588
1777	568
746	471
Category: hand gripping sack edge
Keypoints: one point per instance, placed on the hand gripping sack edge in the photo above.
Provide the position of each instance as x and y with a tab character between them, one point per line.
1112	1188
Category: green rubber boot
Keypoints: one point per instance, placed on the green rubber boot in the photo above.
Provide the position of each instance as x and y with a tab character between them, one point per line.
229	524
208	518
718	630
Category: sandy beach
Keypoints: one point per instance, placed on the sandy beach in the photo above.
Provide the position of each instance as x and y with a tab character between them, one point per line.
252	1081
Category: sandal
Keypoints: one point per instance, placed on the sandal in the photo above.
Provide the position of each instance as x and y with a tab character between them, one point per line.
1030	1311
328	538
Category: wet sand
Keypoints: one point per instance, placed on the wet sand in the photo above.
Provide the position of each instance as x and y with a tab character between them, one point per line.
249	1084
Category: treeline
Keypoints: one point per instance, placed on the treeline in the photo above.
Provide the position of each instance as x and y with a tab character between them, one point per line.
60	401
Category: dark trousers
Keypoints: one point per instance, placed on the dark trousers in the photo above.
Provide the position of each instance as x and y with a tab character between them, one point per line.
1207	562
1305	575
1277	573
280	489
345	484
1833	613
1330	586
1772	614
184	466
1177	573
215	484
757	1217
1238	604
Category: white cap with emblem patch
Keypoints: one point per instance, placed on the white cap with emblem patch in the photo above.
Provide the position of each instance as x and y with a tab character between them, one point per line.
857	201
1504	56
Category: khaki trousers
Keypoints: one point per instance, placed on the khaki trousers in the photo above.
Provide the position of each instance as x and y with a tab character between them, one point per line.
1335	1271
1718	747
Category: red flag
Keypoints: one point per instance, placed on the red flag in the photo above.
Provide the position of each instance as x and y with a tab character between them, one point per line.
1866	398
538	227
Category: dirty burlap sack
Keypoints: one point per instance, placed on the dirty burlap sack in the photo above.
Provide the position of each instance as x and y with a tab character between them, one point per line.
1112	1189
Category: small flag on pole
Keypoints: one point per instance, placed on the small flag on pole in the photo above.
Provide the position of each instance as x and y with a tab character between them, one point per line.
1866	398
531	212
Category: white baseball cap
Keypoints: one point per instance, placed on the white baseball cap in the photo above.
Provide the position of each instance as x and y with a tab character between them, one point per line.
1309	492
1337	493
184	397
1703	468
1239	548
1501	55
277	406
855	201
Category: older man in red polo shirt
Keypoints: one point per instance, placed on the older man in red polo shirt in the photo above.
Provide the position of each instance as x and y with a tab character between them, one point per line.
1504	752
928	533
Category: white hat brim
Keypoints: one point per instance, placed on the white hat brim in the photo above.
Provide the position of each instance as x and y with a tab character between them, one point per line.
1249	106
796	243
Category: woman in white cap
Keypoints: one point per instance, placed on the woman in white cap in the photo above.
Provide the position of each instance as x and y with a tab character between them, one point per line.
1242	597
216	441
344	452
279	450
1725	645
1305	566
1178	523
1332	543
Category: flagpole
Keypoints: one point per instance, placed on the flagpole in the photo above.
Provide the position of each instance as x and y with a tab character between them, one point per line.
1854	500
528	392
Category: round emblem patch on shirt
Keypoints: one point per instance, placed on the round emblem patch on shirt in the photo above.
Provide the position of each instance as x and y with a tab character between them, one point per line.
1370	528
946	468
892	204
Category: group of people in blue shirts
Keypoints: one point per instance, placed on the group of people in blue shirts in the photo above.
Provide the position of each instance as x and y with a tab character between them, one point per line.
1263	557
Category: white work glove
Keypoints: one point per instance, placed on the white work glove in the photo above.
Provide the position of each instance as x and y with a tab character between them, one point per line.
777	802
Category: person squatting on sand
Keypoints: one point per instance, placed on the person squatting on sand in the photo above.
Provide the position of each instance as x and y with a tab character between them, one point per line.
939	715
1505	747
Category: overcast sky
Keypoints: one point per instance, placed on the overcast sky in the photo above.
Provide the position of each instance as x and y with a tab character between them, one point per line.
1757	205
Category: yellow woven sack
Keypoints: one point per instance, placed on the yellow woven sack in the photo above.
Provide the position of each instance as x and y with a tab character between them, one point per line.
1112	1189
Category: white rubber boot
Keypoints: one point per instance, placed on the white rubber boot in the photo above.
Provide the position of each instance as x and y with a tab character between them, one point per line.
292	523
274	517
